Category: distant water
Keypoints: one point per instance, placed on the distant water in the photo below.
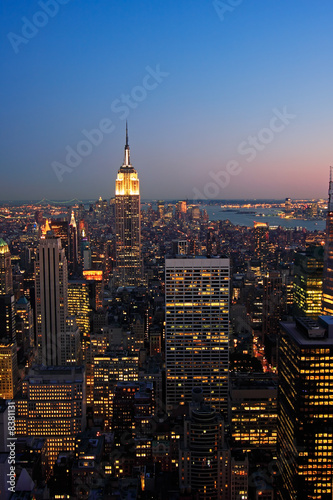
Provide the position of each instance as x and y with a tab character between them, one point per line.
269	215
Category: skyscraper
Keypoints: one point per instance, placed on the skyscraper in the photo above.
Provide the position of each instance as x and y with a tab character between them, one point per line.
52	405
8	371
51	299
197	328
328	257
305	430
308	282
6	279
128	230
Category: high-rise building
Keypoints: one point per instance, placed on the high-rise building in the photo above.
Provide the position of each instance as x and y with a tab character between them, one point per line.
52	405
8	371
79	306
253	411
261	234
305	430
108	369
308	282
6	278
128	230
60	229
51	299
328	257
94	277
197	330
7	319
25	336
204	457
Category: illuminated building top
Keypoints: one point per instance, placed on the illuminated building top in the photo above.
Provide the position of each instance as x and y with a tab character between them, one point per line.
3	246
73	222
127	182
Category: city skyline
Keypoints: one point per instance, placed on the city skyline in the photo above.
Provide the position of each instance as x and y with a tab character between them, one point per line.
238	92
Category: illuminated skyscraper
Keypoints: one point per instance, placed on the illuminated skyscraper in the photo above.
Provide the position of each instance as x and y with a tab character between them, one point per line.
204	457
308	282
261	235
79	306
197	329
8	371
53	406
6	279
51	299
128	231
328	257
305	430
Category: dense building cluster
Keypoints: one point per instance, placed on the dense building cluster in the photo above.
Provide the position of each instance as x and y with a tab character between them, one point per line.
152	353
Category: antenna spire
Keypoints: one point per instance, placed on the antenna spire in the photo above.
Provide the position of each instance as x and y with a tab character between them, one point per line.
127	149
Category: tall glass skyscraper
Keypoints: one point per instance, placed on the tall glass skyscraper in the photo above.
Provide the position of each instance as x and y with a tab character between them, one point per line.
197	330
128	227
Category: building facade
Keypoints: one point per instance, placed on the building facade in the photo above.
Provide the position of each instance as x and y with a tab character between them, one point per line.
308	282
51	299
305	429
197	330
52	405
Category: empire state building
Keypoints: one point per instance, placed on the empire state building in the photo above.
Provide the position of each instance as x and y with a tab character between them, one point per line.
128	223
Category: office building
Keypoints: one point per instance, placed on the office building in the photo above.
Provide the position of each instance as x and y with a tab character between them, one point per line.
79	306
197	329
261	235
253	411
204	459
109	369
305	430
7	319
8	371
239	477
51	299
128	227
60	229
6	278
53	406
308	282
96	286
25	334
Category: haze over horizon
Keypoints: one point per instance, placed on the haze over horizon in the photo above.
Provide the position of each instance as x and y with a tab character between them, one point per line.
231	105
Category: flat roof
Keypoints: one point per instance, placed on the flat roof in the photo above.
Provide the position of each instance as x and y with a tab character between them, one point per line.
292	330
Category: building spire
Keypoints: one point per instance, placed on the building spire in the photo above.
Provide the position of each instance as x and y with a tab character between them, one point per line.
73	222
127	149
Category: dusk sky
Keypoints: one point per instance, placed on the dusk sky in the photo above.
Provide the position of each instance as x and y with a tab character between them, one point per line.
207	87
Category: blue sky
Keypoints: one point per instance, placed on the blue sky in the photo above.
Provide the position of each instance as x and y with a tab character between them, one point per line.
223	77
